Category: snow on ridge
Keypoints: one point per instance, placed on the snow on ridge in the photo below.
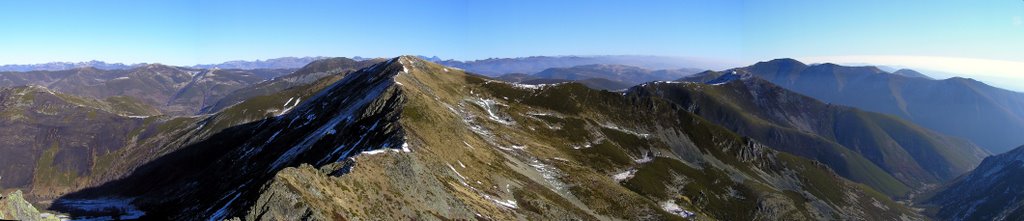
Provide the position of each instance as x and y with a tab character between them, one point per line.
345	115
404	149
624	130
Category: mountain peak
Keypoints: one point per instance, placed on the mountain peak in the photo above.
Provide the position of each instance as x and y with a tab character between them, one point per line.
783	61
911	73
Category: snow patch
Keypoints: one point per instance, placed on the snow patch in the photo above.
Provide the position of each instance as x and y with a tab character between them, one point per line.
647	158
549	173
625	175
506	203
456	172
491	107
615	127
102	205
673	208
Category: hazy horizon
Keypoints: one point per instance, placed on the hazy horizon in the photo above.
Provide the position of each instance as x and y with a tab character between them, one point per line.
973	39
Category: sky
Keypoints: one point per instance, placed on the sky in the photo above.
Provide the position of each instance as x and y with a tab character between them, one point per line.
741	32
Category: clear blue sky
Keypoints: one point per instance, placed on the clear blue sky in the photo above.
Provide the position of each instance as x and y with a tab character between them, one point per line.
191	32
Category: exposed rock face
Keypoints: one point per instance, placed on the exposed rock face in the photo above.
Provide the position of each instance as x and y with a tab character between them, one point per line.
14	207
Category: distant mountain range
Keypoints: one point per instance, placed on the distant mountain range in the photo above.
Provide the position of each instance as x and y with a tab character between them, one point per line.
988	116
599	76
61	66
275	63
172	90
498	66
490	67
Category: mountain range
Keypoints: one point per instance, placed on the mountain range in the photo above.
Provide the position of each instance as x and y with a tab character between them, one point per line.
407	138
172	90
990	192
61	66
449	145
599	76
990	117
274	63
890	154
494	67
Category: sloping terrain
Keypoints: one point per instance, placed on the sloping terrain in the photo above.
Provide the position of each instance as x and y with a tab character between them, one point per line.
990	117
887	153
409	139
50	141
172	90
307	74
990	192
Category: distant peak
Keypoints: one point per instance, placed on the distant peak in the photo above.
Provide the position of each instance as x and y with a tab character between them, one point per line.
785	61
910	73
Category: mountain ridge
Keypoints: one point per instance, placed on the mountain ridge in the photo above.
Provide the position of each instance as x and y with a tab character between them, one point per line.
935	104
858	144
432	137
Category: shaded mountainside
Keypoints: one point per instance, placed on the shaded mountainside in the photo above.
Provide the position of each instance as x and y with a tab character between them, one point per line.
990	117
50	143
990	192
54	143
887	153
172	90
409	139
